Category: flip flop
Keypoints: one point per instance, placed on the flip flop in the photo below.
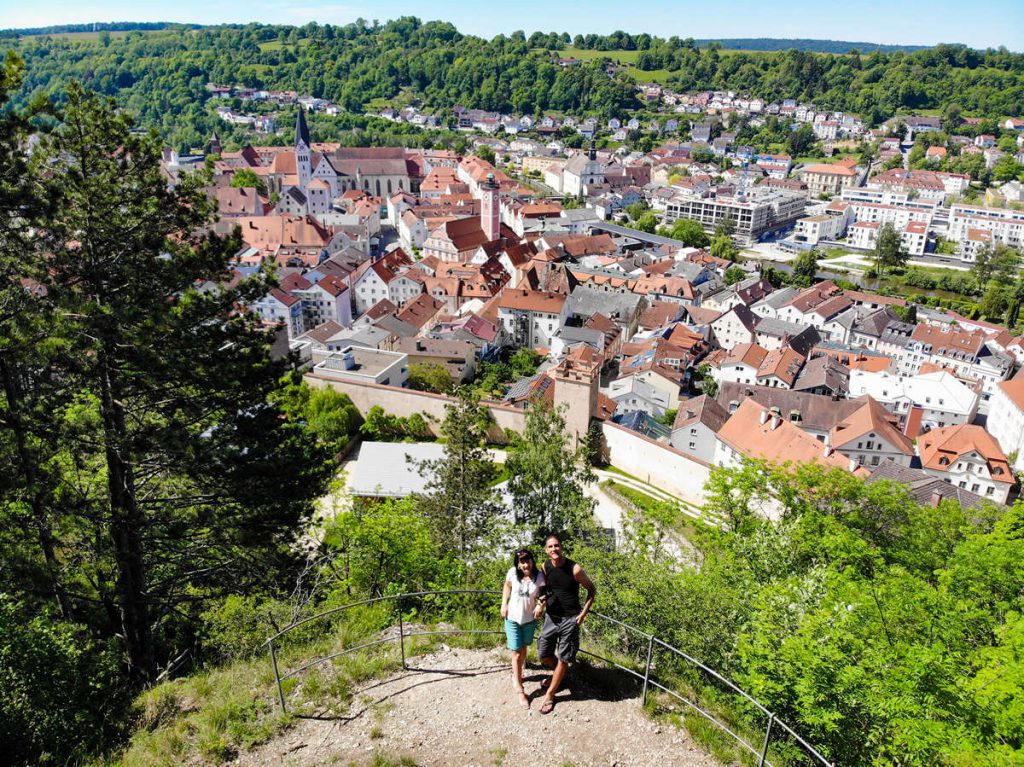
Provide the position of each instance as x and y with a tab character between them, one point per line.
548	706
524	701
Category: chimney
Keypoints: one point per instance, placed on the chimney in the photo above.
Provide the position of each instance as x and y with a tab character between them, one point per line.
853	465
764	416
776	422
826	452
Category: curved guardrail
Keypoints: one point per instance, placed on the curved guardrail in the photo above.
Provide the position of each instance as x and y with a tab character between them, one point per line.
773	723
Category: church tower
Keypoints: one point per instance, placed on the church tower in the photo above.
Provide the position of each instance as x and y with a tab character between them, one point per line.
303	161
490	209
214	145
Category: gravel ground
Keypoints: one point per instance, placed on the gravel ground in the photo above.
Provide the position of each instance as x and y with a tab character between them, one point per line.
456	707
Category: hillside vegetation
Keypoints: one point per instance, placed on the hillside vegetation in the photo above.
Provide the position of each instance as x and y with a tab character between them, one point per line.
161	75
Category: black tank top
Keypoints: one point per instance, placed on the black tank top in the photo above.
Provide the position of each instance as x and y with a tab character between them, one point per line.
563	589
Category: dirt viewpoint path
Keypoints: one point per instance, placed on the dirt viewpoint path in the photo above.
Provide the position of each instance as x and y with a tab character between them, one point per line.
457	709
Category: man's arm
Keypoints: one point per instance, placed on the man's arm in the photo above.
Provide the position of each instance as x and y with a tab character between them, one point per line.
584	580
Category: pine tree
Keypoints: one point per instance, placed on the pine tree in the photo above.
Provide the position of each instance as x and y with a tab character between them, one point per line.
546	476
188	481
30	566
460	502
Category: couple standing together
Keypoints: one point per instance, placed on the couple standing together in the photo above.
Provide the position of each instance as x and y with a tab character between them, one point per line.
554	592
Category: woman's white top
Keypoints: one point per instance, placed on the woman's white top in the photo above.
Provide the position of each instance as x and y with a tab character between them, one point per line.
523	598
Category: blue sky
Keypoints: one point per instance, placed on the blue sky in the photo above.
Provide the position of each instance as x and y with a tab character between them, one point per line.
980	23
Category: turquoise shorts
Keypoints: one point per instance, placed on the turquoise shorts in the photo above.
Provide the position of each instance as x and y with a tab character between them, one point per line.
519	635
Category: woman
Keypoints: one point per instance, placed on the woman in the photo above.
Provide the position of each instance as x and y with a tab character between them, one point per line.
520	608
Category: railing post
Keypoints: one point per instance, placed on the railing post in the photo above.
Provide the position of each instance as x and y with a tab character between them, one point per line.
647	668
401	631
277	678
767	737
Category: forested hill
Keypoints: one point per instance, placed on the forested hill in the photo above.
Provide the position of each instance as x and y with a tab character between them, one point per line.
96	26
161	75
739	43
803	44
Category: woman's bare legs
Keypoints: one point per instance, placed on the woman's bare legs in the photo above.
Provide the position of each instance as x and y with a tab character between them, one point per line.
518	663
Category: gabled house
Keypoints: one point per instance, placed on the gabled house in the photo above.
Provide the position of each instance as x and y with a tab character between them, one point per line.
371	281
530	318
695	430
967	456
736	326
871	435
754	431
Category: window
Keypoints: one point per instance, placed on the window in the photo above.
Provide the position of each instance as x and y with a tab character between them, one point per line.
989	490
975	487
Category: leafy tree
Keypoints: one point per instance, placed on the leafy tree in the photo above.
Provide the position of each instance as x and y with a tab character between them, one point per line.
801	141
734	274
805	267
690	233
995	301
547	476
246	178
648	222
486	154
329	416
995	262
381	426
433	378
387	548
708	385
460	503
723	247
63	691
637	209
889	250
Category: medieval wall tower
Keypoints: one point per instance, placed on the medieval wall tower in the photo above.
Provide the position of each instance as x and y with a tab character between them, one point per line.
490	208
577	379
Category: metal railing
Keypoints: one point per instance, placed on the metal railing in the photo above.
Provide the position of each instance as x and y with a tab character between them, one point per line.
760	752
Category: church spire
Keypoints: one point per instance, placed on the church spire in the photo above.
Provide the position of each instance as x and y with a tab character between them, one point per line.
303	161
301	131
593	151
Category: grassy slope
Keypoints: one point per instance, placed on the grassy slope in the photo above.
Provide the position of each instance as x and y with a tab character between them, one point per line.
214	714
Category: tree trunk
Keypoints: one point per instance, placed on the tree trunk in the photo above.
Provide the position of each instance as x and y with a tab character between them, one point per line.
126	527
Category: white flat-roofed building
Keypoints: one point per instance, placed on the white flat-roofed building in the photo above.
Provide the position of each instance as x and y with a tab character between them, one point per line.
813	229
753	215
1005	225
361	364
391	469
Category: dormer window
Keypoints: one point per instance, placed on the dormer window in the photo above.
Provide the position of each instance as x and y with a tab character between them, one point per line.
943	462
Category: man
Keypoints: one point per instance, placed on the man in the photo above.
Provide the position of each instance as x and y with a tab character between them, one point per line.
560	638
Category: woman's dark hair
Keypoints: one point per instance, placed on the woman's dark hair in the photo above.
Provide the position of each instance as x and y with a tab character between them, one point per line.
522	555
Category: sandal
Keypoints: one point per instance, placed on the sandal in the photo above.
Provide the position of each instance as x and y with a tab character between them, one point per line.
548	706
524	701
